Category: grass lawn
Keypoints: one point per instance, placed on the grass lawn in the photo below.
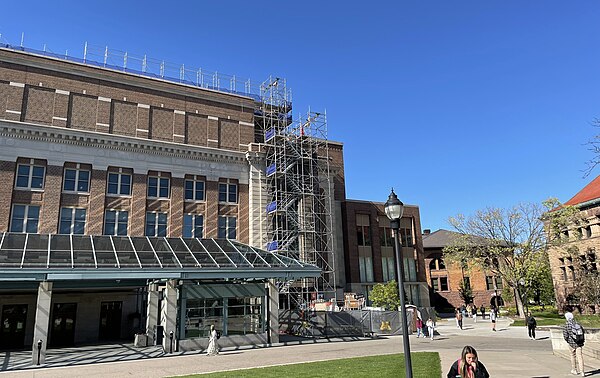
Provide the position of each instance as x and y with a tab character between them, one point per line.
425	365
552	318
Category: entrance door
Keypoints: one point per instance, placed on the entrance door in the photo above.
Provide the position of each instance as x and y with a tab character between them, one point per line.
12	331
110	320
62	331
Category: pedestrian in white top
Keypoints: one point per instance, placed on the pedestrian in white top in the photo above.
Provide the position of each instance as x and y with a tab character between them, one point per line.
430	327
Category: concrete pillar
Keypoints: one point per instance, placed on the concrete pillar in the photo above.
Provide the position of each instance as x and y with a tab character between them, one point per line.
152	312
169	315
42	320
273	312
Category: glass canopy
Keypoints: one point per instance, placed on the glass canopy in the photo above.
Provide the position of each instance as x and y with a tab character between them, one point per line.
197	258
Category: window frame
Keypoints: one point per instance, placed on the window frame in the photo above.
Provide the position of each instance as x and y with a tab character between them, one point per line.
26	218
193	225
116	223
72	220
119	184
227	193
159	187
157	224
76	180
30	177
227	228
194	190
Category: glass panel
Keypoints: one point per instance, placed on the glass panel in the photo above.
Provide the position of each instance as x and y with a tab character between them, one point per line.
12	250
199	252
60	251
23	176
199	191
125	252
219	256
37	178
36	253
164	188
70	179
189	189
84	181
105	255
222	192
152	186
185	257
187	226
145	253
82	252
165	255
251	256
125	184
113	183
233	193
233	254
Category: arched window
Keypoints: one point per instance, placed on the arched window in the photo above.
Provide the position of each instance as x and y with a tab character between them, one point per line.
437	263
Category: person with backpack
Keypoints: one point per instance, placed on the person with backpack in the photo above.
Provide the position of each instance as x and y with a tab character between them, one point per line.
531	324
419	325
574	335
468	366
213	348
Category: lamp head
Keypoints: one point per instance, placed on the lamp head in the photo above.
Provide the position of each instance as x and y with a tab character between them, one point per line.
394	208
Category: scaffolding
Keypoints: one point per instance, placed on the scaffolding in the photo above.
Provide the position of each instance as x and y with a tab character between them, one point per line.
299	188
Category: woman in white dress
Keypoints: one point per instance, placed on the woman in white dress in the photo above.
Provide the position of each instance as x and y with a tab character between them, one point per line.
213	348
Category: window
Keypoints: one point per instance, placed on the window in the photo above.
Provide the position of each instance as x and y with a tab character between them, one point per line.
193	226
115	222
200	314
439	284
228	192
158	187
467	282
244	315
76	180
493	282
444	283
566	265
365	268
388	266
30	176
25	218
227	228
156	224
405	230
435	284
437	264
119	183
72	221
385	237
588	231
194	190
410	269
363	235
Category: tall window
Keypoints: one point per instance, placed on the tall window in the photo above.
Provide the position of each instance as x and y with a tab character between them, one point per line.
439	283
410	269
467	282
194	190
119	183
156	224
437	263
115	222
385	237
228	192
363	235
72	221
193	226
493	282
25	218
158	187
76	180
388	266
406	236
227	227
30	176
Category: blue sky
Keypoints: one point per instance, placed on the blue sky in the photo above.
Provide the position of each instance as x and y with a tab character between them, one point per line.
458	105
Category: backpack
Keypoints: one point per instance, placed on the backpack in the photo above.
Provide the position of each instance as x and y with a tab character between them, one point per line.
577	333
218	335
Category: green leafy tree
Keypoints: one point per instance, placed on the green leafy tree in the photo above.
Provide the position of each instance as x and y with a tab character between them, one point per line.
465	291
509	243
385	295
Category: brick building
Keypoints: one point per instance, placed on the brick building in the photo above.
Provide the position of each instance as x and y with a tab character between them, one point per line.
583	239
445	278
131	202
369	250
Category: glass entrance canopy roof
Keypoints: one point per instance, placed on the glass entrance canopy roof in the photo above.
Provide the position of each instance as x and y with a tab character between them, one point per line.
80	257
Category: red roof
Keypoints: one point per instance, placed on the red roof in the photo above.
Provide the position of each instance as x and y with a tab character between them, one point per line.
590	192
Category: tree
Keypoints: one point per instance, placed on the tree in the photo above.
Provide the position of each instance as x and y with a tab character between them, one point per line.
386	295
509	243
466	294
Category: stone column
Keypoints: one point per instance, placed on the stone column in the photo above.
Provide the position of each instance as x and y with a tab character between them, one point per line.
273	312
42	320
169	315
152	312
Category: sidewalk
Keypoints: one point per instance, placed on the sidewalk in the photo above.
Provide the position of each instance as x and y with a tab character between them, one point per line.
505	353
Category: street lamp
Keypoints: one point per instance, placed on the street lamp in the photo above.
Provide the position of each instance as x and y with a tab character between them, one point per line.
394	209
526	306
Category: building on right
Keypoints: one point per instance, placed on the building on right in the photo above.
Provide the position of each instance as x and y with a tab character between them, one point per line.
573	263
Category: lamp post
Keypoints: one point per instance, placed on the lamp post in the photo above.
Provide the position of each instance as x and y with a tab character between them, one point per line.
525	305
394	209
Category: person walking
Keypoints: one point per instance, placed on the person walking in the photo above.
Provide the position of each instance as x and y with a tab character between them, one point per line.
213	348
493	318
474	313
482	310
430	327
574	336
459	318
531	324
456	312
468	366
419	325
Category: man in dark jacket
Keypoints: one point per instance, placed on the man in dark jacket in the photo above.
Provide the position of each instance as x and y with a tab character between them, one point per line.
575	347
531	324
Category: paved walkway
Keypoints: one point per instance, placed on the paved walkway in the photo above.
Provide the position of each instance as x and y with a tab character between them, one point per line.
506	353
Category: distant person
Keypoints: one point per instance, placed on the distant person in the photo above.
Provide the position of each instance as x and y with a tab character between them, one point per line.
474	313
468	366
574	336
459	318
430	327
213	348
493	316
463	310
531	325
482	310
419	325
